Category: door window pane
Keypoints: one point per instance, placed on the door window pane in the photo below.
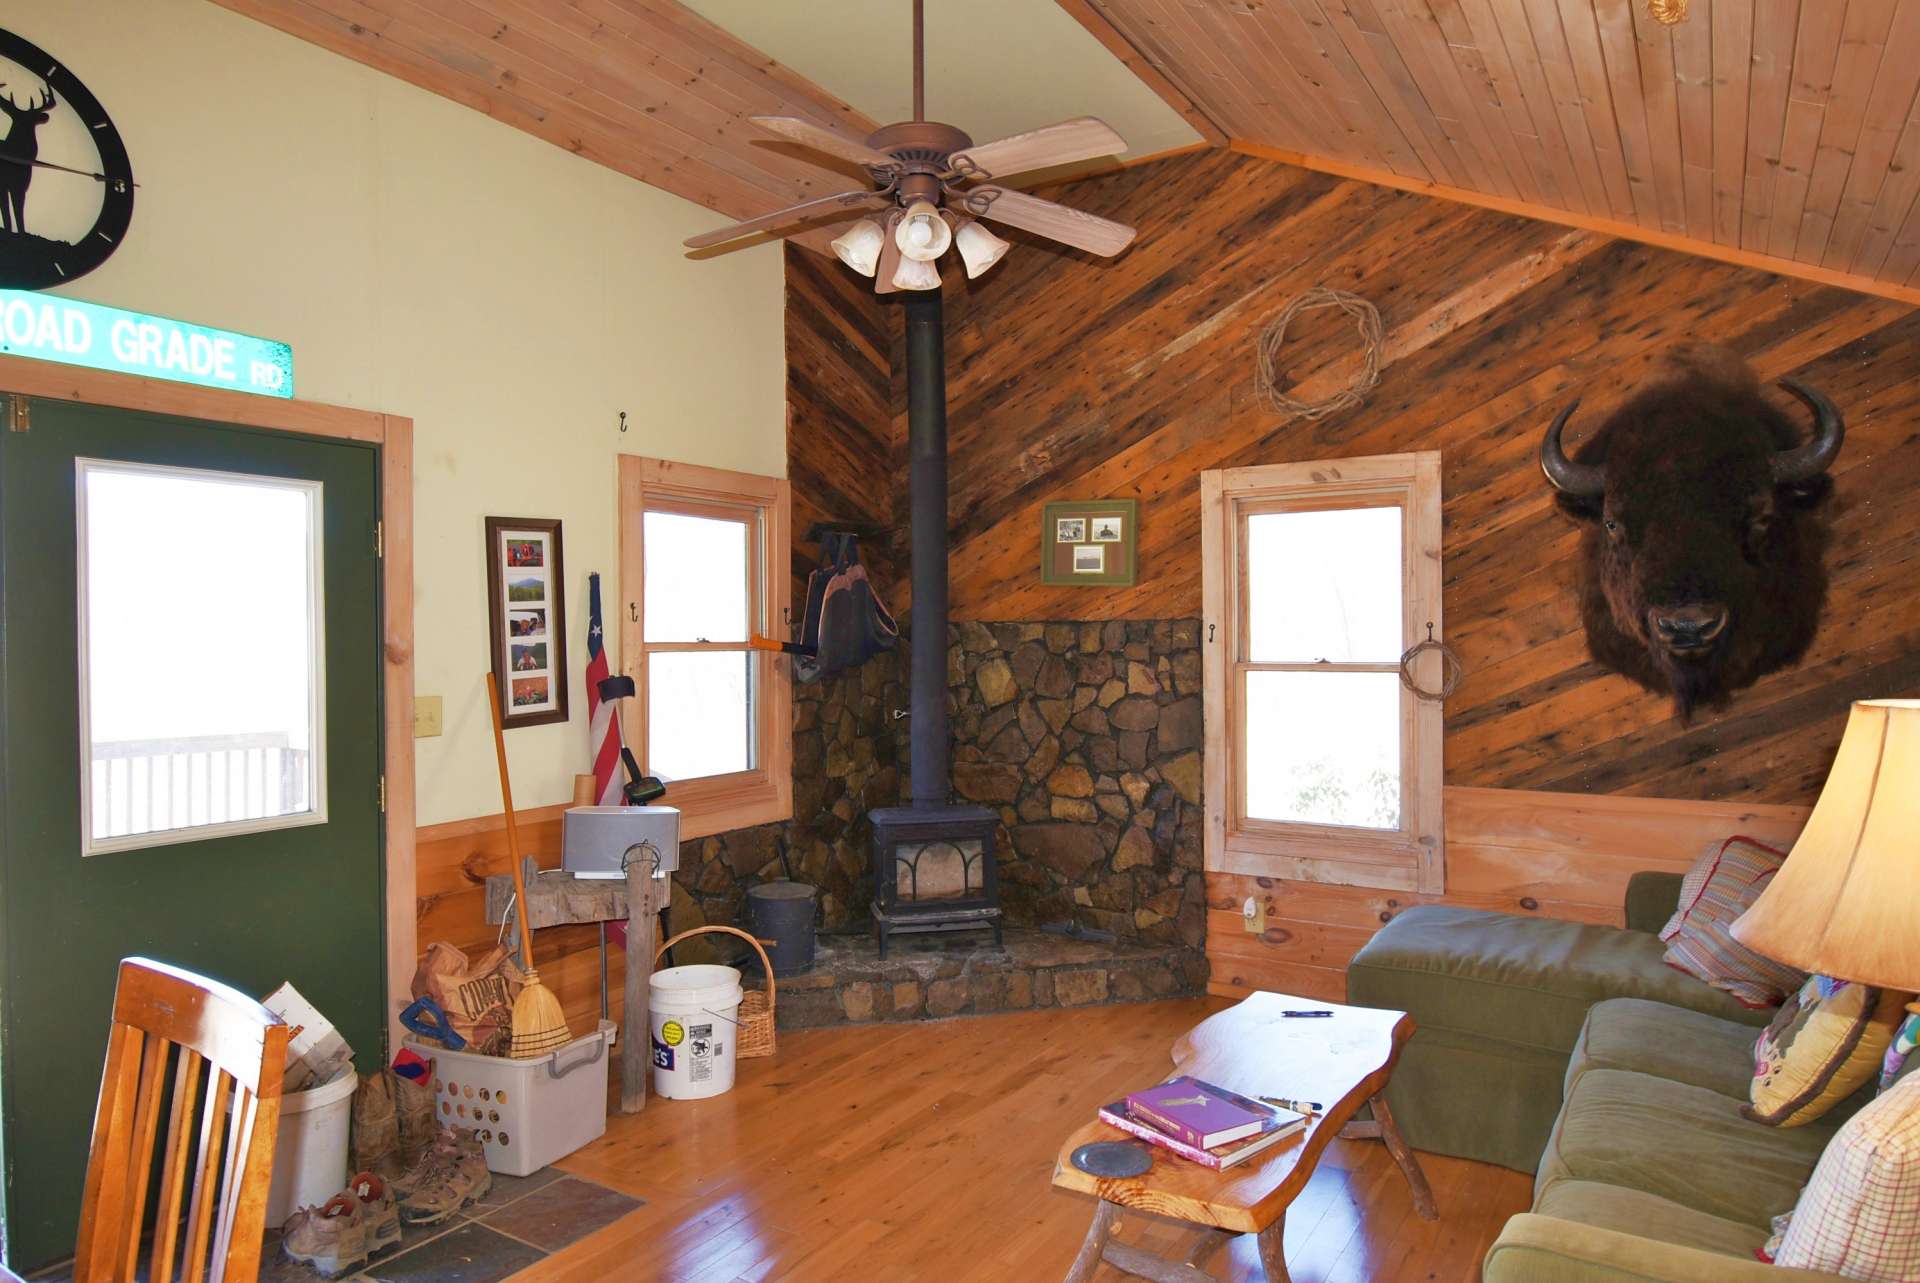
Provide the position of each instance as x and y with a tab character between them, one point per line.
200	642
1324	585
699	713
696	578
1323	748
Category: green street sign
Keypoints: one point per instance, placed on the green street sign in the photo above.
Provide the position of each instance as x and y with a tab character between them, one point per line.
48	327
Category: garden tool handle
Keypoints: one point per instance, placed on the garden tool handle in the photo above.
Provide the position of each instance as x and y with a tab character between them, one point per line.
513	829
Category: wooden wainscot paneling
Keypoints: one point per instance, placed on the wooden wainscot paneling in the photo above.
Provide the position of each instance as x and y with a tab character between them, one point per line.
1559	855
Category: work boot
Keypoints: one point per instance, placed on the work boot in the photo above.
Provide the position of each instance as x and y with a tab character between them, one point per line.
415	1108
451	1174
449	1143
376	1126
330	1240
378	1212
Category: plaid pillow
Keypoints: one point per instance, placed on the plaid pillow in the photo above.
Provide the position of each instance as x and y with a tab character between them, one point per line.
1859	1215
1721	886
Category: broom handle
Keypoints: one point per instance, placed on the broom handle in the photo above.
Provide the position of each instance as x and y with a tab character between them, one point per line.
513	829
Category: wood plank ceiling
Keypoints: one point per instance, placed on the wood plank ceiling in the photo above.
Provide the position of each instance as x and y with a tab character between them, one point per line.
645	87
1765	129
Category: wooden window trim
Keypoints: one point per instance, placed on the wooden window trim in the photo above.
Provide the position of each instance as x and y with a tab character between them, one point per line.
1413	859
763	795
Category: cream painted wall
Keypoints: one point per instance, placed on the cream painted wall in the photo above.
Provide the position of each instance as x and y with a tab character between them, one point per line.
423	260
994	67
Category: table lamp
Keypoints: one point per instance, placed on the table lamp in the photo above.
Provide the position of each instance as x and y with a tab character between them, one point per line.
1846	903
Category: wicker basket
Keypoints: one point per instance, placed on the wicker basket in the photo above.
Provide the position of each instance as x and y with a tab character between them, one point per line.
756	1006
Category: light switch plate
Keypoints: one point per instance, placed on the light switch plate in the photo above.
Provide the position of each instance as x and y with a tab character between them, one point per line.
426	716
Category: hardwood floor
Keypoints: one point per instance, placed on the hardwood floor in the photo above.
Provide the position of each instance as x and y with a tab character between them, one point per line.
921	1152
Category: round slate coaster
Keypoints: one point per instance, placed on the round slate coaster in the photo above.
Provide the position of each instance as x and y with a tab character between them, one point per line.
1116	1158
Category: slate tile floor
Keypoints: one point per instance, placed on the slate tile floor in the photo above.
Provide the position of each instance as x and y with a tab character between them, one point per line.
520	1221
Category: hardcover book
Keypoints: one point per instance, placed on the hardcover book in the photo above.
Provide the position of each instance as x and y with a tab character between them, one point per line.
1285	1123
1198	1113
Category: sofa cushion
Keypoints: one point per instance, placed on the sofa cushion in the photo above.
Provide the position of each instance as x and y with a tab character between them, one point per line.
1828	1040
1683	1143
1633	1211
1667	1042
1519	980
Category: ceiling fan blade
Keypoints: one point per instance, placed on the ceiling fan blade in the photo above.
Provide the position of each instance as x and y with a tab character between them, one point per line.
1082	138
889	258
820	138
848	201
1072	227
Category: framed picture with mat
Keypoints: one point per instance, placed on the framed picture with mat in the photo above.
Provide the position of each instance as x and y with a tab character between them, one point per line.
1090	543
527	619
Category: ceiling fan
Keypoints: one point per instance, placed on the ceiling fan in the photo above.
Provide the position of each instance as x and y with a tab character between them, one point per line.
934	183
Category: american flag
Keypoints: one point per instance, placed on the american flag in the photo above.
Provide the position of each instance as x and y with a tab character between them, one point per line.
603	721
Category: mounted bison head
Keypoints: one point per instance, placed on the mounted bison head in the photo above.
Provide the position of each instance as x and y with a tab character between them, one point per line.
1703	557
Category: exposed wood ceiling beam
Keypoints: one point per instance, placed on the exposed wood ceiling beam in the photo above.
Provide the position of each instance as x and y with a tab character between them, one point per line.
645	87
1783	135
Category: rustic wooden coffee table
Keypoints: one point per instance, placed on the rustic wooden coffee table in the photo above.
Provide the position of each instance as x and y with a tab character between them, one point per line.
1343	1061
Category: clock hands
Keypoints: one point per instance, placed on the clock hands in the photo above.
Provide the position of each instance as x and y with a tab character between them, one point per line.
119	184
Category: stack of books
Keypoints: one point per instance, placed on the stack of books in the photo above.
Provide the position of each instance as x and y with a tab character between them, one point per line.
1210	1125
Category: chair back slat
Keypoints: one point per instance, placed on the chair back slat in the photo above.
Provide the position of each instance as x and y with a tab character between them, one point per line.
170	1025
173	1165
146	1119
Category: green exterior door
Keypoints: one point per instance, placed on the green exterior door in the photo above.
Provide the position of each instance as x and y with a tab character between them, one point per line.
220	843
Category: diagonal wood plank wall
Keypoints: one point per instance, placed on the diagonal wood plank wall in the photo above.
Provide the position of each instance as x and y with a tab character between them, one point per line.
1074	379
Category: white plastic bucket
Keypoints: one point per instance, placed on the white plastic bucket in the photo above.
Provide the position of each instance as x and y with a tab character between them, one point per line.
695	1013
310	1157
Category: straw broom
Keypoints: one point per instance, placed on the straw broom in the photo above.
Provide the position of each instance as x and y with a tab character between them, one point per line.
539	1024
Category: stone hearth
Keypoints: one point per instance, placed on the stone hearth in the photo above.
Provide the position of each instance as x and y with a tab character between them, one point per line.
931	977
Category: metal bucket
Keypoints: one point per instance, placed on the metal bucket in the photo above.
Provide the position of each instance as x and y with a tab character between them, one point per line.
781	914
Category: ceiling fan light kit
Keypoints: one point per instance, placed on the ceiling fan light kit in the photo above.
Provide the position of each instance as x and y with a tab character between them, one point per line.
859	246
937	181
923	235
979	248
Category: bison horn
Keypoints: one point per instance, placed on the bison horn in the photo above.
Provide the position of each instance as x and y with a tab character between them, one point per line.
1568	477
1805	462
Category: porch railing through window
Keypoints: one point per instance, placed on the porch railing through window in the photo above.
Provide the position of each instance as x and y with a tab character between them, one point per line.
155	785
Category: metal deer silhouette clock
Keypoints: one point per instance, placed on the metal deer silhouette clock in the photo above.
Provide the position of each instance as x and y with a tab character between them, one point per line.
66	184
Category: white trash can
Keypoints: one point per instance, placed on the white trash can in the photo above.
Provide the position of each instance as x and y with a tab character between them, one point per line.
310	1156
695	1017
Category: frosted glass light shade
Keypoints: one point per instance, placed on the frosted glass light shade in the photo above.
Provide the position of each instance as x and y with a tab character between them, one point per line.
922	234
916	274
859	246
979	248
1844	903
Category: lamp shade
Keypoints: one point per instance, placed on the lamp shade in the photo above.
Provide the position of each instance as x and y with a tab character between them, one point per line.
1846	903
979	248
916	274
859	246
922	234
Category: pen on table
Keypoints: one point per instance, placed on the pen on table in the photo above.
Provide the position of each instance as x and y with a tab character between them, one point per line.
1297	1106
1304	1015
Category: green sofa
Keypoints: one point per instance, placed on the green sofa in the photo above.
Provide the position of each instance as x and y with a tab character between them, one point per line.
1570	1050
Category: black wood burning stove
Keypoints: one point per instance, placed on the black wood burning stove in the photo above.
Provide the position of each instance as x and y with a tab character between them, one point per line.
933	862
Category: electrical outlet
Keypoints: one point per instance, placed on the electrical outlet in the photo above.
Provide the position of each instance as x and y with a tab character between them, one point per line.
1254	914
426	716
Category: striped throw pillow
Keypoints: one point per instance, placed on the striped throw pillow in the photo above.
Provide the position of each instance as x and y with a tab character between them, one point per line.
1720	887
1859	1216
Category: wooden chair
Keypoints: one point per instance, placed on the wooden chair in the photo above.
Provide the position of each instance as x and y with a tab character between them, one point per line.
163	1014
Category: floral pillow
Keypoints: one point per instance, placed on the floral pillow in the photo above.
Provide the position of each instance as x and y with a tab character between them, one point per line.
1827	1042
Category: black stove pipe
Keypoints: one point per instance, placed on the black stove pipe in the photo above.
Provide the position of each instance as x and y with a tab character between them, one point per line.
927	494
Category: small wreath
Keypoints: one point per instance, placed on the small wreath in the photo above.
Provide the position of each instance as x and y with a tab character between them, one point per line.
1366	320
1450	663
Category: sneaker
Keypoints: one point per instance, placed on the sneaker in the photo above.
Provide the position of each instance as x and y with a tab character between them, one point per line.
376	1126
448	1178
330	1240
378	1211
446	1142
414	1102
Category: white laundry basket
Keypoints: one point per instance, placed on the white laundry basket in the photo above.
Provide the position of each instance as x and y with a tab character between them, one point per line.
526	1113
310	1156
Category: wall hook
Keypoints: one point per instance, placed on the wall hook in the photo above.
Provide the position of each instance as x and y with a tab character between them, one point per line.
623	420
1209	633
633	612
